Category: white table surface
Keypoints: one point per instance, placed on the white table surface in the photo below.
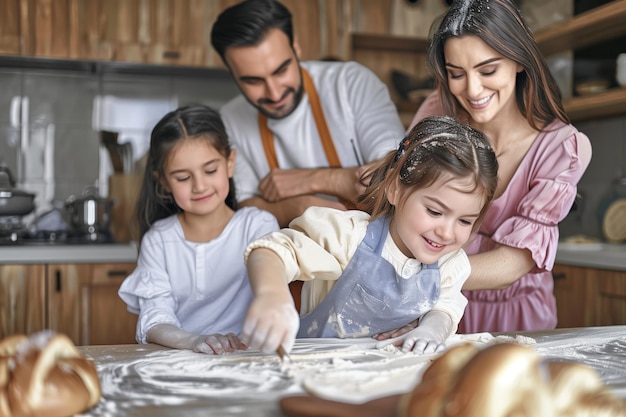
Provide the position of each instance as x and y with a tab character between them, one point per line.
148	380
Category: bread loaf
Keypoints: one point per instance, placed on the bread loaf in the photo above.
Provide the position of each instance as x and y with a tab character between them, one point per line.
506	380
45	375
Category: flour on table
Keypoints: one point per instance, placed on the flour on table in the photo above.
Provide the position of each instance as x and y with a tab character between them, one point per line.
347	370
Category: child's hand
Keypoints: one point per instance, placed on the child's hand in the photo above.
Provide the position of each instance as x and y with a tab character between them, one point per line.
270	322
218	344
396	332
428	337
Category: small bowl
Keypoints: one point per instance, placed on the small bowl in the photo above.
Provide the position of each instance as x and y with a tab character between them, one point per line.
592	87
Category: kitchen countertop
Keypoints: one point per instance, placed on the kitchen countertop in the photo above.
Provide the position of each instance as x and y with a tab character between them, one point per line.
59	253
161	382
592	255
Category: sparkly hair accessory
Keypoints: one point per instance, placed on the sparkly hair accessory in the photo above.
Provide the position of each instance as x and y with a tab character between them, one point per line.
404	143
463	13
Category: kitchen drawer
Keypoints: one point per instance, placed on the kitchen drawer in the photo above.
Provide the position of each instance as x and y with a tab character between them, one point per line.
108	274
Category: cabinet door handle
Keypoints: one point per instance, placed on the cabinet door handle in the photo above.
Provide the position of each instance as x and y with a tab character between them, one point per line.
171	54
57	277
117	274
558	276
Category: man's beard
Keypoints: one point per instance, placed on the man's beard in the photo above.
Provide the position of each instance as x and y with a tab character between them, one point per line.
297	97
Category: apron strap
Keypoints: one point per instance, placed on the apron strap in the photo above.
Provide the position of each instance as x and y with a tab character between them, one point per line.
267	137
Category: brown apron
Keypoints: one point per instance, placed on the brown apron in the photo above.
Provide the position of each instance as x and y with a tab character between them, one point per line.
267	137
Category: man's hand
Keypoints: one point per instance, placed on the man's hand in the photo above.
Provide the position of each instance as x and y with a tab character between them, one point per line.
361	178
281	184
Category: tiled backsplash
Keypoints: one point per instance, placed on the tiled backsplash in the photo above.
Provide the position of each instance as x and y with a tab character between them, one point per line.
48	116
64	99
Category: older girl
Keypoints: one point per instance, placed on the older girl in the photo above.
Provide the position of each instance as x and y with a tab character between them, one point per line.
190	287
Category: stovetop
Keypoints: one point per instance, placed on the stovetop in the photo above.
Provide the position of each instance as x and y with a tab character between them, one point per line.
13	232
41	238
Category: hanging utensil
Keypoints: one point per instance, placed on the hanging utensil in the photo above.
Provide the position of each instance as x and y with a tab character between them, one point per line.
109	140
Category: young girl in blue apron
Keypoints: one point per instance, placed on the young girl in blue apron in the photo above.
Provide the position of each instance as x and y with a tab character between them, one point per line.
397	263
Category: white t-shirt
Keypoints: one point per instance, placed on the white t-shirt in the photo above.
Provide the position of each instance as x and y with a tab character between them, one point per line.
358	110
202	288
318	246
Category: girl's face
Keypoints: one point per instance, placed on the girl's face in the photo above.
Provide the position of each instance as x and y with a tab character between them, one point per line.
437	220
482	80
197	176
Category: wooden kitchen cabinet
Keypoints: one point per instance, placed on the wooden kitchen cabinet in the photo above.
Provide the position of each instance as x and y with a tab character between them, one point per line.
574	295
10	29
83	303
589	296
22	299
611	306
163	32
109	320
79	300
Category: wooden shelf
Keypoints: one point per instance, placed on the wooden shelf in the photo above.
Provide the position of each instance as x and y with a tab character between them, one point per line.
594	26
606	104
389	43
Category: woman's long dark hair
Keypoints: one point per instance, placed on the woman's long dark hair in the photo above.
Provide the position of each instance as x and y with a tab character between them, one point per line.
500	25
189	122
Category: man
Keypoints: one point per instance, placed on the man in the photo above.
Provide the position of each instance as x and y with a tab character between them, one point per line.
301	130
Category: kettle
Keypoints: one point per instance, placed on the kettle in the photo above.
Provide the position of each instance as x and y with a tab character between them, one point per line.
89	214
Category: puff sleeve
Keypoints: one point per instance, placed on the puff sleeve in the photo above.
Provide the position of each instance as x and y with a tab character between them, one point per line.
542	192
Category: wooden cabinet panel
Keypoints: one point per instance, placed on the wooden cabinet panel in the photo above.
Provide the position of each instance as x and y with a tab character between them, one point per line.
65	309
589	296
22	299
574	294
79	300
611	298
109	320
10	27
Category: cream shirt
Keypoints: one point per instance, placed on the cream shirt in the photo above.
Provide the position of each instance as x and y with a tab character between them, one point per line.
317	247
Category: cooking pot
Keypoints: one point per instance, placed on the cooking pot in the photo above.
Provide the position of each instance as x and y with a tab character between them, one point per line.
13	202
89	214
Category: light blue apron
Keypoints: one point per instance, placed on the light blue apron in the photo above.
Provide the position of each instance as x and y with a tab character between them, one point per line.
369	297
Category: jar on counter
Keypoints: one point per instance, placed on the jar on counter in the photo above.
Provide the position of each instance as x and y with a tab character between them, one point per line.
612	211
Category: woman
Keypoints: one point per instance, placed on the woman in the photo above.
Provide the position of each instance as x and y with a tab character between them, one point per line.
491	74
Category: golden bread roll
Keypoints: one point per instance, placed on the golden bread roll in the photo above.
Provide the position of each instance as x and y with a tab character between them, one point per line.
48	377
497	381
577	391
505	380
427	399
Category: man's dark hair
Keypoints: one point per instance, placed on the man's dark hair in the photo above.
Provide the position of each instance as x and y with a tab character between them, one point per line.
246	23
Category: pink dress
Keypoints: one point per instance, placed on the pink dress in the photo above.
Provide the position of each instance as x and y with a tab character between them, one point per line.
539	195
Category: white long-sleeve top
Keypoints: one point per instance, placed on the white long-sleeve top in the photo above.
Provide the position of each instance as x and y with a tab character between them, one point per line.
201	288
